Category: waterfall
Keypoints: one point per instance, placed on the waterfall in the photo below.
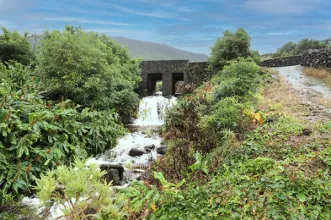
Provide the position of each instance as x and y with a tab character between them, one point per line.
152	110
151	113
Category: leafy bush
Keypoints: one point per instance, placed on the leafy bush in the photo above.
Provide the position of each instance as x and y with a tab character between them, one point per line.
290	48
16	47
256	188
200	121
36	134
144	198
80	192
90	69
230	47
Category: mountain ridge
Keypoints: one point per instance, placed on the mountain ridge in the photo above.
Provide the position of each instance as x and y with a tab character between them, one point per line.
156	51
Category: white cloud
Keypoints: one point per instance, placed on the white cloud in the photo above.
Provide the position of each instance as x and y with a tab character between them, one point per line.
157	14
185	9
282	6
85	21
282	33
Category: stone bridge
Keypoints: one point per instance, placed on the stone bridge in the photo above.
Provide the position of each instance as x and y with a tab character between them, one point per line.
170	72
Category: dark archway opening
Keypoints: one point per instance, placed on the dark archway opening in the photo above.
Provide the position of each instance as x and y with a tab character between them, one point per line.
152	79
177	83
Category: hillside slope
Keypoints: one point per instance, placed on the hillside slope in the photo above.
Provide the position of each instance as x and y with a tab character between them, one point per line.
156	51
147	50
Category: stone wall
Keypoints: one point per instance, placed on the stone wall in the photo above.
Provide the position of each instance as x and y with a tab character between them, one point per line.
166	70
282	61
317	59
198	73
170	72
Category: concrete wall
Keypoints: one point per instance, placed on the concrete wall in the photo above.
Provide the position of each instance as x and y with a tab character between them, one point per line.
281	62
317	59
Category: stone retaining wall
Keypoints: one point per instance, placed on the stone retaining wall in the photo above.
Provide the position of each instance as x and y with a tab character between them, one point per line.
313	58
317	59
282	61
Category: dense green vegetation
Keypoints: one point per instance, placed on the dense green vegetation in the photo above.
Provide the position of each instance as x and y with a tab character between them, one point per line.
231	46
40	127
245	165
234	152
291	49
89	69
14	46
37	134
92	196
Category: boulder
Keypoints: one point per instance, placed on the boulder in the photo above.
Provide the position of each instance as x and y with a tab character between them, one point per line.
114	173
161	150
149	148
134	152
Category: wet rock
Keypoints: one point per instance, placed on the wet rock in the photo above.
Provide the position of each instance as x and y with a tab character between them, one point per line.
114	173
149	148
307	131
134	152
161	150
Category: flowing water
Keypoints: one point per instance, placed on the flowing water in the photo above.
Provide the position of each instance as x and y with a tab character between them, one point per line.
144	133
151	114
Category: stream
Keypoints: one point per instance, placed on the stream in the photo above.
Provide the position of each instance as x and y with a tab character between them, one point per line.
143	139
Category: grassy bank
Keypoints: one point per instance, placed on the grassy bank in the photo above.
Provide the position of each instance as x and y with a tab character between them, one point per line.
274	164
323	74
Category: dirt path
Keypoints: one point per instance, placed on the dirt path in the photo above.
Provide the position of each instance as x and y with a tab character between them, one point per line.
311	92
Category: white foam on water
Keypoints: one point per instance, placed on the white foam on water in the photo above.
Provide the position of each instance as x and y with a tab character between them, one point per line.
151	114
152	110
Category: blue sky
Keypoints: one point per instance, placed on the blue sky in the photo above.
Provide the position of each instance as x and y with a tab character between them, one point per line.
191	25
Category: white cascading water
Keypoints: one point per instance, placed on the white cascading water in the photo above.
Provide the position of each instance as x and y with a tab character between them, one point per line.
152	110
151	114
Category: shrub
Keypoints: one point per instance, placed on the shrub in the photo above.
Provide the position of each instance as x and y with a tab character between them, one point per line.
80	192
290	48
231	47
241	79
16	47
200	120
36	134
90	69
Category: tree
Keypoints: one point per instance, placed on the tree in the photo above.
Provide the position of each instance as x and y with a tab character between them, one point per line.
291	49
90	69
14	46
231	46
288	49
309	44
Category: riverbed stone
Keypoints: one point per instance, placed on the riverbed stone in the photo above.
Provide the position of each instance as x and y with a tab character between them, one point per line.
149	148
161	150
114	173
134	152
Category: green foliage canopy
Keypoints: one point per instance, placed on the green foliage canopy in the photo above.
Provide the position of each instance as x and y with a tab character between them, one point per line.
14	46
231	46
36	134
90	69
291	49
